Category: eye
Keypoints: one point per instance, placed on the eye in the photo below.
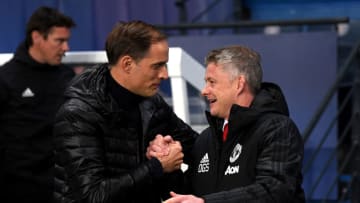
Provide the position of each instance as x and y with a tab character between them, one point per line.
211	81
159	65
60	41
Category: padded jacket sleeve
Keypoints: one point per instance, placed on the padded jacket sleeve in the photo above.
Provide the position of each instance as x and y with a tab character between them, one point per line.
3	100
80	157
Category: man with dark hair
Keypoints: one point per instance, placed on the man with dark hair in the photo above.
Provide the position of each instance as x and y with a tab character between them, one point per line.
111	113
32	84
252	151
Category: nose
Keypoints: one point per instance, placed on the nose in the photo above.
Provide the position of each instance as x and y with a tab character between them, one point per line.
65	46
204	91
163	74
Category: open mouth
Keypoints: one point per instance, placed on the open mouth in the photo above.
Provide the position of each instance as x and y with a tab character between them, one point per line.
59	57
212	101
155	86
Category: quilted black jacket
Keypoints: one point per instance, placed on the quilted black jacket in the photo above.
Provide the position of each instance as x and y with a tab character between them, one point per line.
99	156
261	159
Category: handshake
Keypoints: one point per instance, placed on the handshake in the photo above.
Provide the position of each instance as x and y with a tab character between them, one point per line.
167	151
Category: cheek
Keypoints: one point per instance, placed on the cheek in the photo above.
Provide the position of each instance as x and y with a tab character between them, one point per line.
50	49
225	98
143	80
154	74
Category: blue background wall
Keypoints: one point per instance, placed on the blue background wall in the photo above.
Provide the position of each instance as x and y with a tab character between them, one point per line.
95	18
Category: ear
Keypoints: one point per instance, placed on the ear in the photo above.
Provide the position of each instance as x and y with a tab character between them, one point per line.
240	84
36	37
126	63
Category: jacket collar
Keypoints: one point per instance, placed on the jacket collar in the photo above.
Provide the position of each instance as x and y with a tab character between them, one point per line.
91	88
22	55
147	109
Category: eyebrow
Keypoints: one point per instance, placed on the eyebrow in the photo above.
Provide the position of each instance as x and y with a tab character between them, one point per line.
160	63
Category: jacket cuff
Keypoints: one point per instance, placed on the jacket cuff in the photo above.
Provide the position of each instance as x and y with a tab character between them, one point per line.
155	168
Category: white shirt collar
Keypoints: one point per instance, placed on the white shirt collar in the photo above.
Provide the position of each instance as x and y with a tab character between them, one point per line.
225	122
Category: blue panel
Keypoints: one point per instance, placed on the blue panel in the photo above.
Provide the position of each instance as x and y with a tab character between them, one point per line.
82	36
14	15
301	10
144	13
324	168
106	15
95	18
12	29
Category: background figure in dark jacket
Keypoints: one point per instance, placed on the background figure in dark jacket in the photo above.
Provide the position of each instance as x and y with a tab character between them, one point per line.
32	85
111	114
260	158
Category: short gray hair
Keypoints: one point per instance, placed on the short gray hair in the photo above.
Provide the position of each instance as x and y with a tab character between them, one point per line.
239	60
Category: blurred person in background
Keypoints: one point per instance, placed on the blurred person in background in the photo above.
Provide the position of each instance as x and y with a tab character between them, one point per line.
32	84
111	113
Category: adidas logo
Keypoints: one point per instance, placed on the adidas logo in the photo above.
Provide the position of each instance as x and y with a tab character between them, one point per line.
205	159
204	164
27	93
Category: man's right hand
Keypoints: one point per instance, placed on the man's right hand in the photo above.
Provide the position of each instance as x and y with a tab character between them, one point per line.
167	151
174	159
159	146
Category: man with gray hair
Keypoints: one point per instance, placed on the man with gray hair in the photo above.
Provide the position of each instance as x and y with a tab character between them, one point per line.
252	151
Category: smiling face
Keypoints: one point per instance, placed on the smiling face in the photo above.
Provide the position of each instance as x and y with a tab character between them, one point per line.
219	90
146	74
51	48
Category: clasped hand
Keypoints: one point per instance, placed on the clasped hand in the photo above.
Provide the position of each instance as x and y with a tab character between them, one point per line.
167	151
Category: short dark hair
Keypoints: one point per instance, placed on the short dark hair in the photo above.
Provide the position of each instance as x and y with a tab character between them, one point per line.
43	20
132	38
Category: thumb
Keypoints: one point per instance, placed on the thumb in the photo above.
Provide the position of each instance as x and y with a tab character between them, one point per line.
173	194
168	139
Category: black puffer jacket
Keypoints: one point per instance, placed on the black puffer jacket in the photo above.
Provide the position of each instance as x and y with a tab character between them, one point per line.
261	159
99	156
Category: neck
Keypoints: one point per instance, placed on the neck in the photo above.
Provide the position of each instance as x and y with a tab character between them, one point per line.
118	76
245	99
35	54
